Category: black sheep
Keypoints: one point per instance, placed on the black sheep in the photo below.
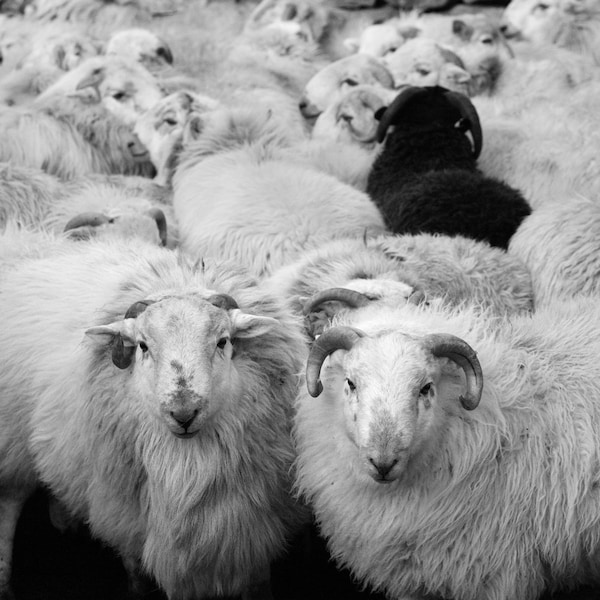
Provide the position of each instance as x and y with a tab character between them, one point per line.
426	179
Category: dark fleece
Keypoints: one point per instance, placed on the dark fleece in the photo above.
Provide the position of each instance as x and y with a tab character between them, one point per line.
426	181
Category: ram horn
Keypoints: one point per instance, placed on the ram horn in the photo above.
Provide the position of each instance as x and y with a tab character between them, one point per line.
350	297
333	339
395	108
468	112
224	301
86	219
161	222
123	355
457	350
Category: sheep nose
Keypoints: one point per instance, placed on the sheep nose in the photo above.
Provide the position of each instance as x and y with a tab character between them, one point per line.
184	416
383	467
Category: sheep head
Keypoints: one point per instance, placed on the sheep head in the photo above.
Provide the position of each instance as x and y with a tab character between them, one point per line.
179	354
329	83
432	106
141	45
395	391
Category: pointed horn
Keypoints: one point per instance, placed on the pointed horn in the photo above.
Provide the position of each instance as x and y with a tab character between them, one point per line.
89	219
333	339
467	110
350	297
224	301
161	222
395	109
122	355
456	349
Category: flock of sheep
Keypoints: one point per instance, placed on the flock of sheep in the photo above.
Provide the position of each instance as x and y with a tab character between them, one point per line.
268	263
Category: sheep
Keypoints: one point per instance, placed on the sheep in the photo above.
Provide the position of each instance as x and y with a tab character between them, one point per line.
176	382
423	62
47	60
69	138
251	204
558	243
570	24
376	40
125	87
453	455
390	268
141	45
82	207
327	85
425	180
169	125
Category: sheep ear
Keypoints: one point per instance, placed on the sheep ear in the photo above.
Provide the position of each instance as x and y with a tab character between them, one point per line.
379	113
104	334
193	129
59	57
249	326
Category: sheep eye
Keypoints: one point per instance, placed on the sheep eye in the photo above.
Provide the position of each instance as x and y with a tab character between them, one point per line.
425	389
222	343
119	96
486	40
541	6
350	81
170	122
144	347
423	72
351	385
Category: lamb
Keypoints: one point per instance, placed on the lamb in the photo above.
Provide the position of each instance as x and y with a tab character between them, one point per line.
453	455
175	381
559	244
246	201
69	138
426	180
141	45
331	81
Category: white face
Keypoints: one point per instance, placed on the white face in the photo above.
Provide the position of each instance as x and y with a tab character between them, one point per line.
532	20
388	387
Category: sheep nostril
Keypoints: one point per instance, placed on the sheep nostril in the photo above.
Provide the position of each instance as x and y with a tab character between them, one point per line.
383	467
302	104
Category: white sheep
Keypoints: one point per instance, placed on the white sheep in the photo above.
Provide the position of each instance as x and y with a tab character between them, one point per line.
69	138
124	86
453	455
156	410
331	81
141	45
560	244
251	204
459	270
169	125
570	24
422	62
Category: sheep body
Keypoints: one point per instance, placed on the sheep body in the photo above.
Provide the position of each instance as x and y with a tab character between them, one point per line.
498	502
204	516
558	243
425	179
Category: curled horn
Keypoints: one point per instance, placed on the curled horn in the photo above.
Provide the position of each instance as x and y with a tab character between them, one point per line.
90	219
350	297
467	111
224	301
123	355
395	109
161	222
456	349
333	339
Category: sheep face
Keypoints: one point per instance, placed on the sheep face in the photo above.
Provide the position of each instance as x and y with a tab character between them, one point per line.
376	40
393	395
330	82
352	118
171	123
422	62
178	352
532	20
141	45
